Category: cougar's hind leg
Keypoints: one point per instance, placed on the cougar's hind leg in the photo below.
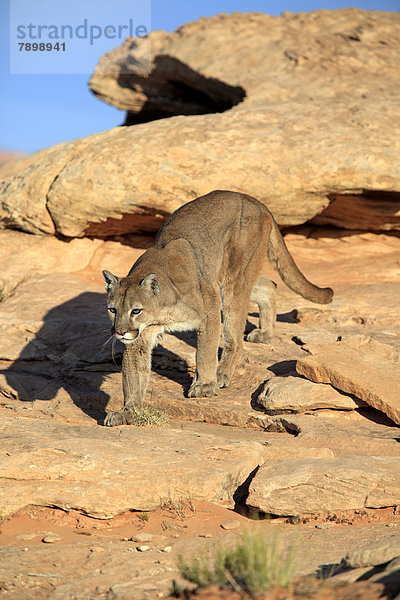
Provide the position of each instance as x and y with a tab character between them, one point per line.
264	294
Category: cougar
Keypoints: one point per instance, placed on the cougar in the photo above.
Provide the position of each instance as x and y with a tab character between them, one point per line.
208	255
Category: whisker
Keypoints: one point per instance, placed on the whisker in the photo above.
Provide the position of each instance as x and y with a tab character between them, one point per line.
108	340
112	351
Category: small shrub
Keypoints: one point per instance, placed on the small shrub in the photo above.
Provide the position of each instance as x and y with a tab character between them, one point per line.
144	516
253	565
176	590
179	506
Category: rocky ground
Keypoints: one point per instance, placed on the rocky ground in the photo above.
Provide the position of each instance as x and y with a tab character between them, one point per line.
298	111
320	458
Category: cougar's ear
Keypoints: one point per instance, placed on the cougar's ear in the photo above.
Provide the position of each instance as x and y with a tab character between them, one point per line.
150	284
111	280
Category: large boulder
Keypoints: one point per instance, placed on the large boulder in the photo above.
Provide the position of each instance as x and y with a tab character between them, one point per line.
296	110
363	367
318	485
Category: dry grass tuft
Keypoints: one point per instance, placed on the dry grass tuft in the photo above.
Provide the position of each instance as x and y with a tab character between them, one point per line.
252	566
148	416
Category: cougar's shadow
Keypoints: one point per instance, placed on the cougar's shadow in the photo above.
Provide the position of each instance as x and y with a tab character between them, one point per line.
70	342
73	351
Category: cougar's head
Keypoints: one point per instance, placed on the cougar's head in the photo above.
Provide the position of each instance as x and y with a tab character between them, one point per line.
132	304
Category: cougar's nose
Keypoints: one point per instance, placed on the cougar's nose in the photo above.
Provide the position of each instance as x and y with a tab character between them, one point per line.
120	332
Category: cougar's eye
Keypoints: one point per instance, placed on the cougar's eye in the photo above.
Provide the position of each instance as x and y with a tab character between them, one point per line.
112	310
136	311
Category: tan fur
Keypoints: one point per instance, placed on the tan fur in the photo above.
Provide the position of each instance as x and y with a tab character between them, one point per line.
210	250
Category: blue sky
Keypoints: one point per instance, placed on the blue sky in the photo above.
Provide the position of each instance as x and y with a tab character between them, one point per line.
37	111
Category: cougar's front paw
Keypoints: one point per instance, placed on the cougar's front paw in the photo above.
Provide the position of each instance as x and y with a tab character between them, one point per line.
259	336
118	417
202	390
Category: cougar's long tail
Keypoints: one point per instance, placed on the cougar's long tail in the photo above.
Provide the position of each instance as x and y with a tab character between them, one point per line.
282	261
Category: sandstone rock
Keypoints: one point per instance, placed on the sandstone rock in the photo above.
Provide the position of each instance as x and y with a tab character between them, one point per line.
29	212
317	485
365	368
284	450
26	536
51	538
348	575
146	75
102	475
25	256
394	565
142	537
299	75
373	562
369	345
294	394
231	524
227	409
340	434
380	552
